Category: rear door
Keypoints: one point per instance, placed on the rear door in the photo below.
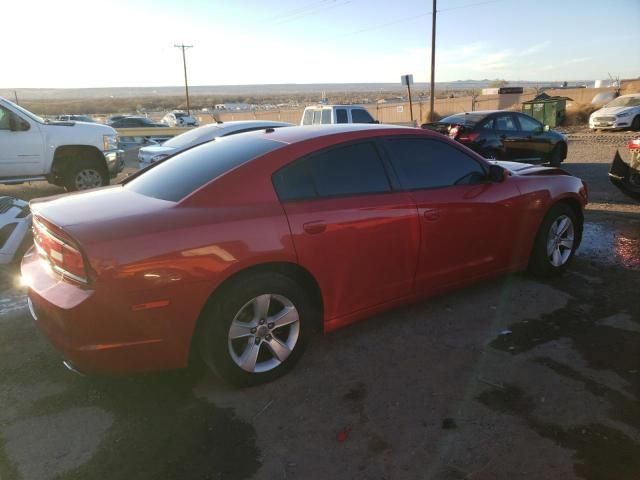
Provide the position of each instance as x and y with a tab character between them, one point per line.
351	230
467	223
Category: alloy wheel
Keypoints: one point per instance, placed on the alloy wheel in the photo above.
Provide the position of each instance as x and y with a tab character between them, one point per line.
263	333
560	241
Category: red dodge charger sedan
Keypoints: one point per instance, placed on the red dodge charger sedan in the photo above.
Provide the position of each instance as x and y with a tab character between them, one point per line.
238	249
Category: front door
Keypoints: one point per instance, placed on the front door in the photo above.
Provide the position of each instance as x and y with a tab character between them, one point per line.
357	237
21	146
466	221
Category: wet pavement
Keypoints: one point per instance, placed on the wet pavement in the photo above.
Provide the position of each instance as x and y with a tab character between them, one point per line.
512	378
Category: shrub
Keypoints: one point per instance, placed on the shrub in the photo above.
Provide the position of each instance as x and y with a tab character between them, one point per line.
578	113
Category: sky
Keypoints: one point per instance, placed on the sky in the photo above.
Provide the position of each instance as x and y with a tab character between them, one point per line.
90	43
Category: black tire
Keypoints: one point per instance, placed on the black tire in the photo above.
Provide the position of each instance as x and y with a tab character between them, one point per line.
635	124
79	169
555	157
233	300
541	262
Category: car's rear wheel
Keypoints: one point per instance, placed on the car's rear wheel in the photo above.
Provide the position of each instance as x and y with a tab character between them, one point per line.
255	329
556	241
635	125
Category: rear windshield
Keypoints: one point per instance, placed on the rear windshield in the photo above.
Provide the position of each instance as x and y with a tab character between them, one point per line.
467	120
182	174
193	137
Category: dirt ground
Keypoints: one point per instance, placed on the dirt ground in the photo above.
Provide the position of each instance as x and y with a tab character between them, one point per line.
509	379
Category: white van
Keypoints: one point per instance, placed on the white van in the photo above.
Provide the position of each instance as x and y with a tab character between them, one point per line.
328	114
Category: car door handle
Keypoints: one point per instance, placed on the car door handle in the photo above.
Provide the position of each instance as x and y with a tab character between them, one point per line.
314	227
431	214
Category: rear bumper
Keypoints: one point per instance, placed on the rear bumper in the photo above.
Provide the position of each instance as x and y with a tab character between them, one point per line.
115	162
97	332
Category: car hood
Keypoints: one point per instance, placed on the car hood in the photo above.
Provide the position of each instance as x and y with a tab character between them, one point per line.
77	127
613	111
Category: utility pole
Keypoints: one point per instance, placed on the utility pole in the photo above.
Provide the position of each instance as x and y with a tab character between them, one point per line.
433	62
15	94
184	64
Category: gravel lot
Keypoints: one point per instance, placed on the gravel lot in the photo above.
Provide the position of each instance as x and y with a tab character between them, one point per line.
508	379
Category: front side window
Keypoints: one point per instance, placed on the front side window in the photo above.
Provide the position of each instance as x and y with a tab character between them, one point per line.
359	115
317	117
341	116
528	124
5	116
354	169
505	122
425	163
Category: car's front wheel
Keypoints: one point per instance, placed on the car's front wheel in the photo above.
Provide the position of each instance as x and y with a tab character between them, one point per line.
255	329
556	241
84	175
635	124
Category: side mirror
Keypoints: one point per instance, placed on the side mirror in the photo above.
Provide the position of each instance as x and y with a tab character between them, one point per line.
545	128
16	124
497	174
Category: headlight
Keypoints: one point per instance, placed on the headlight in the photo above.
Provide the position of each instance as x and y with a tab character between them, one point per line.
110	142
160	156
623	114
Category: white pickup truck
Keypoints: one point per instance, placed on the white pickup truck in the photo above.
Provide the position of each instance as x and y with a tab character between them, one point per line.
76	155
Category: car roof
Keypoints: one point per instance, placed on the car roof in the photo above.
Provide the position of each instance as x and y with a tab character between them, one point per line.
308	132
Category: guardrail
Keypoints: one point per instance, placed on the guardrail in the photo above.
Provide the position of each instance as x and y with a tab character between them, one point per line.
152	132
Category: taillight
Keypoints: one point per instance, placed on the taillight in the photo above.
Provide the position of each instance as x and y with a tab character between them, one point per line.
468	137
453	131
60	252
634	144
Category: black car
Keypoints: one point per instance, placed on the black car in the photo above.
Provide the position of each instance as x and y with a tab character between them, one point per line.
134	122
505	136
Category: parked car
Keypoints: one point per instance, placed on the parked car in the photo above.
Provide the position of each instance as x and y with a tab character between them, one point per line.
75	118
135	122
178	118
15	229
75	155
621	113
625	176
206	133
329	114
504	135
236	250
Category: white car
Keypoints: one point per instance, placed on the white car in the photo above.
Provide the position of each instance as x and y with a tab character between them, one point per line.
331	114
178	118
200	135
621	113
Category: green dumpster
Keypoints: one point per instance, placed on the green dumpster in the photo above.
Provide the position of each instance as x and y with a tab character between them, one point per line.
547	110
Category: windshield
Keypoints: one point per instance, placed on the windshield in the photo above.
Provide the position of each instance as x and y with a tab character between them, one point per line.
180	115
192	137
624	102
32	116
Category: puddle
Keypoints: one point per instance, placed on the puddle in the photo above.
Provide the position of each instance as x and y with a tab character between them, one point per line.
600	452
612	246
160	430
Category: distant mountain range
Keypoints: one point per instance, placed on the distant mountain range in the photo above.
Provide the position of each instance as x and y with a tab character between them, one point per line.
278	89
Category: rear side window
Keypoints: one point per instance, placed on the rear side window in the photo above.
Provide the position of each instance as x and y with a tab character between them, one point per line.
424	163
354	169
326	116
505	122
359	115
341	116
307	118
180	175
488	124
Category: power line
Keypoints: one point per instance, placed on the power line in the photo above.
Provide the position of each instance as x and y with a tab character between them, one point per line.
184	64
298	10
315	10
414	17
